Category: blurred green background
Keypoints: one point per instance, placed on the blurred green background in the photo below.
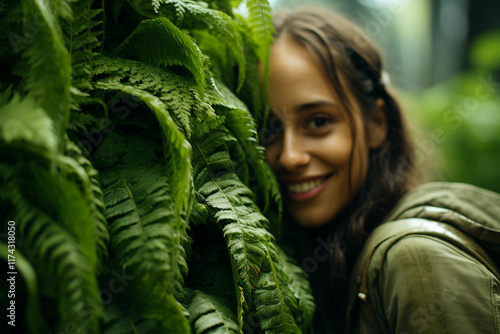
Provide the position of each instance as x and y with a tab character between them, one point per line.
443	58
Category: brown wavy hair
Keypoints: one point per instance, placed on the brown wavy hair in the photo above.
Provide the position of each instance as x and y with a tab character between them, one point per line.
344	51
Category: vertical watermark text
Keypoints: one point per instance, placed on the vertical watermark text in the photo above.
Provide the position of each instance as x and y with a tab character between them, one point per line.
11	272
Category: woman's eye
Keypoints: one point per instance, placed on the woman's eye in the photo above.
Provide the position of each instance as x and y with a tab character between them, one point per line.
318	122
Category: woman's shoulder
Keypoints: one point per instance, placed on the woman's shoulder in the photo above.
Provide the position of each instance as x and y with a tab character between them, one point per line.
449	218
426	265
425	283
475	203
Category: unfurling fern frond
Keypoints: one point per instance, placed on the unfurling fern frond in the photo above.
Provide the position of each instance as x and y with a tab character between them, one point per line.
145	230
159	42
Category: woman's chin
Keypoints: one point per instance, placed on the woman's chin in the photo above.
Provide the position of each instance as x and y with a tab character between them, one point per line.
310	219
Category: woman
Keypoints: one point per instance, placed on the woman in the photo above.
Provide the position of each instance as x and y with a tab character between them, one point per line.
338	144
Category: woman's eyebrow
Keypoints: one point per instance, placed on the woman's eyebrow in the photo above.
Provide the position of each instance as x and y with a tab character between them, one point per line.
315	104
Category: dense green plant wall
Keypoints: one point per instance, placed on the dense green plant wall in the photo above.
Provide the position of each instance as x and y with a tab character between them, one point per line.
134	196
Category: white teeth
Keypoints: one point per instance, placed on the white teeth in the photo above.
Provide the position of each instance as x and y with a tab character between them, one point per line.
303	187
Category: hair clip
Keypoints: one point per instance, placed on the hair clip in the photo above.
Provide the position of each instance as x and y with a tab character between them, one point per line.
385	80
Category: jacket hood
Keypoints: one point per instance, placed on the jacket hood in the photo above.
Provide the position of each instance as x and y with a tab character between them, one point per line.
473	210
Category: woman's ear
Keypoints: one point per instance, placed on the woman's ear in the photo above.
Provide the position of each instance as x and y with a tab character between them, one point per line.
377	130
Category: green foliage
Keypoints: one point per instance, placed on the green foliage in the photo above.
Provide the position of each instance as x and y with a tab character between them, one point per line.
159	42
140	194
461	120
48	77
210	314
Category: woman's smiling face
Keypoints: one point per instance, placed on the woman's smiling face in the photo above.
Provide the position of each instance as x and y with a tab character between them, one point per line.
310	150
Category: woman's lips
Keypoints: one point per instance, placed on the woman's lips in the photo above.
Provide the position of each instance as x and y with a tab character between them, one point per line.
303	191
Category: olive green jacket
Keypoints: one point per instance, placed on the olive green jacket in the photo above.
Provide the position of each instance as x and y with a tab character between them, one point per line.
422	272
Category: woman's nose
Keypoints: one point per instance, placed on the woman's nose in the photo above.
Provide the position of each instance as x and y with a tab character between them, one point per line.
293	153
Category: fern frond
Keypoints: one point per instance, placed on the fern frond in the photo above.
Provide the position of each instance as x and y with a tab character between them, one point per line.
262	31
81	35
121	317
257	270
177	149
178	93
145	230
252	92
187	14
33	314
272	300
23	121
225	6
95	198
159	42
242	126
218	23
48	80
199	214
301	289
257	33
47	236
209	315
242	226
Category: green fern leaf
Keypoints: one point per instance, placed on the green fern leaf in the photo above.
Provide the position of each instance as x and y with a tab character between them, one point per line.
95	199
145	231
48	80
225	6
53	238
191	15
177	149
33	314
274	301
159	42
252	91
242	227
81	36
262	30
242	126
122	318
209	315
301	289
22	121
257	270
